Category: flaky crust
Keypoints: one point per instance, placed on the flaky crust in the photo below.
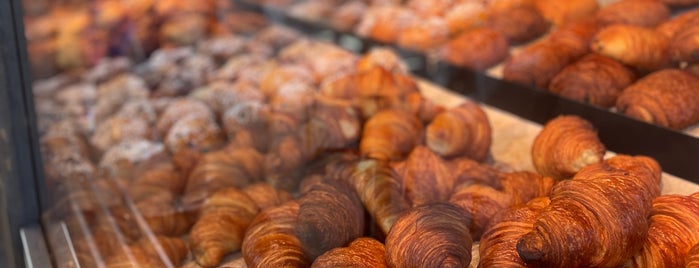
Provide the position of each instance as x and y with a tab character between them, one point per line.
597	219
565	145
363	252
640	47
594	79
390	135
270	240
684	46
692	257
477	49
668	98
646	13
433	235
498	245
672	232
460	131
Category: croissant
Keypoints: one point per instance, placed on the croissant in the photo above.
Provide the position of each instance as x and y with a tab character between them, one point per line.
270	240
537	64
684	46
460	131
424	35
432	235
383	57
332	125
565	145
178	109
640	47
672	232
390	135
498	245
645	13
330	215
379	189
669	98
150	253
594	79
597	219
692	257
282	165
220	169
562	12
477	49
266	196
424	108
362	252
247	124
519	24
466	15
202	134
673	25
482	202
220	229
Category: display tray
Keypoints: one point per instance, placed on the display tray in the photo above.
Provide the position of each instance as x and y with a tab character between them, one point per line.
676	151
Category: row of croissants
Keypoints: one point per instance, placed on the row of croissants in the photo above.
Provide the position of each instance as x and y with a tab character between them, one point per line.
299	154
635	57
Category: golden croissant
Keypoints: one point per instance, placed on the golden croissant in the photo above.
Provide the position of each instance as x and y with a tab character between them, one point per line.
597	219
565	145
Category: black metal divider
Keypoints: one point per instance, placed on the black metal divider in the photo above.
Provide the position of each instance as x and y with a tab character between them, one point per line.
677	153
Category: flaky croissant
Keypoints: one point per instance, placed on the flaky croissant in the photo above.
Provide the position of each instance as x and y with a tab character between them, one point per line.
565	145
672	232
477	49
563	12
390	135
266	196
460	131
362	252
221	226
692	257
519	24
224	168
330	215
598	218
673	25
270	239
594	79
379	189
640	47
433	235
669	98
645	13
149	253
684	46
537	64
498	245
482	202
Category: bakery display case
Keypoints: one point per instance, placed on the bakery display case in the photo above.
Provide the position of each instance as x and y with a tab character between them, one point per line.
238	133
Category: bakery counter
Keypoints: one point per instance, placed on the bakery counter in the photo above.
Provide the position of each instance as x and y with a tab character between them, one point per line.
675	149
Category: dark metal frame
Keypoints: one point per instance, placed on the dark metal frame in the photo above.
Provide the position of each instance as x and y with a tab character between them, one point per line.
22	183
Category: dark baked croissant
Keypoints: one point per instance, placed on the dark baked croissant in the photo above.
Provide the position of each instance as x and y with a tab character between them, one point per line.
482	202
669	98
692	257
672	232
597	219
498	245
563	12
432	235
565	145
684	46
640	47
537	64
379	189
223	220
460	131
363	252
594	79
270	240
390	135
221	169
330	215
477	49
646	13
